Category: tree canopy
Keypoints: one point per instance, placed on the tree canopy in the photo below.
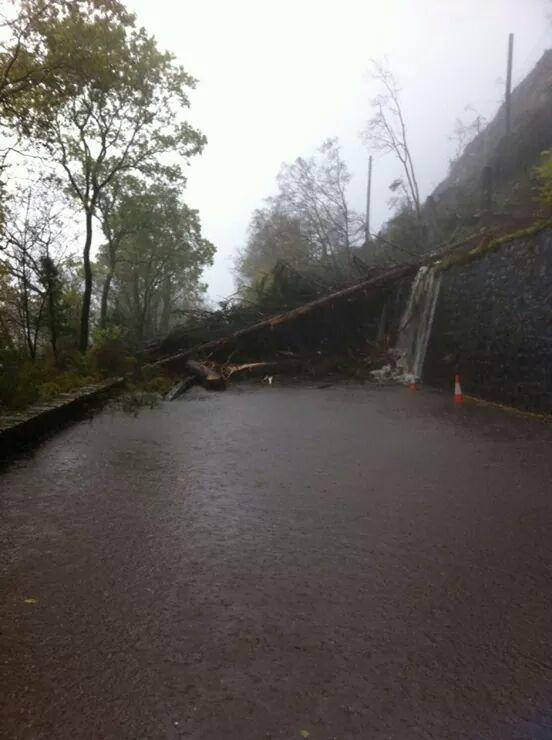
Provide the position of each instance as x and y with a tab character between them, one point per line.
103	113
160	255
308	224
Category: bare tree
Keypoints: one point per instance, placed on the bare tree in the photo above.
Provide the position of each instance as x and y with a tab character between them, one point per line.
465	131
386	132
313	191
33	246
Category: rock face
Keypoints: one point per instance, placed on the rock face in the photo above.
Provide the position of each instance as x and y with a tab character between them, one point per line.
505	162
493	324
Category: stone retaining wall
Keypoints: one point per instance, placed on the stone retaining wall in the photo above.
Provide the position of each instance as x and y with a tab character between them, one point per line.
493	325
21	429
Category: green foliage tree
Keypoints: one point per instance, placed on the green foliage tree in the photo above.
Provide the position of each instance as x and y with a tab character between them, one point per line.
159	259
116	206
36	63
25	60
273	237
120	109
89	94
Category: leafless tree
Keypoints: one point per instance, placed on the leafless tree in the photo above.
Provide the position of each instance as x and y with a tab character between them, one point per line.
386	131
466	131
33	246
313	191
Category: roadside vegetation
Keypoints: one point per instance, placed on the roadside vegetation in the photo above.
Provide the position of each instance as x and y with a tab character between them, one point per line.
101	258
98	249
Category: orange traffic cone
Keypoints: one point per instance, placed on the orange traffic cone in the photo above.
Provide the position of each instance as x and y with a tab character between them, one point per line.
410	381
458	396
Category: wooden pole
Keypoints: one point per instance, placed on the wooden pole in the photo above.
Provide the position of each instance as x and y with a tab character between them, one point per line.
509	83
368	198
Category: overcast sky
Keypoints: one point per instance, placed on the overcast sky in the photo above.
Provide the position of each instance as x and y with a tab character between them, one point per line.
277	77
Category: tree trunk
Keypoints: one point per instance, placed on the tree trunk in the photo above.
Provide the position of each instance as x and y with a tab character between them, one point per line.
139	310
87	294
6	333
105	298
208	377
52	319
166	307
26	314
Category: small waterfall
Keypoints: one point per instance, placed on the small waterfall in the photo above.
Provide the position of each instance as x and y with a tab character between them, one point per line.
416	323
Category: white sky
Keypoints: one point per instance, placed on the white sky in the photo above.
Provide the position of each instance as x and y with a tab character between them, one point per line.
277	77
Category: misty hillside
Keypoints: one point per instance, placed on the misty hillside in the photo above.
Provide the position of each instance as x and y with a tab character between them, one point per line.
506	162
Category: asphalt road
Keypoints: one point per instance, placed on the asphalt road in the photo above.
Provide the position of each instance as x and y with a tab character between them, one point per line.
347	562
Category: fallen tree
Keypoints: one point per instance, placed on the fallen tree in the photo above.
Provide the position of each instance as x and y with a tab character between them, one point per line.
228	344
179	388
215	379
256	369
206	376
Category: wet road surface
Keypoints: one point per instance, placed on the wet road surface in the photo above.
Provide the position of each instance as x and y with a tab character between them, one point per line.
348	562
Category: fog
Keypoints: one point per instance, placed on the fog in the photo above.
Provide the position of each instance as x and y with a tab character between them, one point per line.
277	78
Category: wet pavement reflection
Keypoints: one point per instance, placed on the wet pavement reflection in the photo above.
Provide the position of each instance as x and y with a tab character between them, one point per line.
348	561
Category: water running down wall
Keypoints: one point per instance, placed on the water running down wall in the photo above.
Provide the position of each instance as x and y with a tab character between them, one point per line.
416	322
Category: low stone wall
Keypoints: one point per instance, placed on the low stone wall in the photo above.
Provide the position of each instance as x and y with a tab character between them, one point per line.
21	429
493	325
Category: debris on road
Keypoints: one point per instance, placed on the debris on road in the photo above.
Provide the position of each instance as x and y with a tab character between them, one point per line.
257	369
179	388
246	336
206	376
